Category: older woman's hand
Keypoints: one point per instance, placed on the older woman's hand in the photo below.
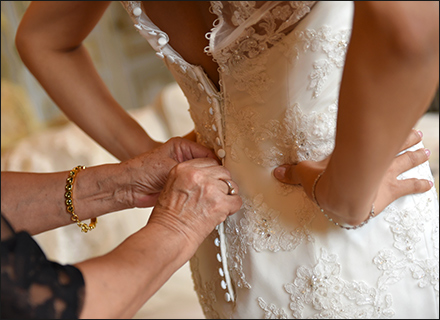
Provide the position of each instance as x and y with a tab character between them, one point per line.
148	172
195	199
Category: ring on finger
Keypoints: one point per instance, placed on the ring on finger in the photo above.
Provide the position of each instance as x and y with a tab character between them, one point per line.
231	189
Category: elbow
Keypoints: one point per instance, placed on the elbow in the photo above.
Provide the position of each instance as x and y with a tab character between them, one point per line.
23	44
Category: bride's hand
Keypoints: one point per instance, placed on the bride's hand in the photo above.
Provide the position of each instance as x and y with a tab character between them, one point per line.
390	189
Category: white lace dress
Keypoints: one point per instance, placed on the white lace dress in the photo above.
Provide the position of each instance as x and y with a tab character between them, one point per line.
279	257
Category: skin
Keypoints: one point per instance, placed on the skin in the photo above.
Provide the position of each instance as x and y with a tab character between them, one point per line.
401	71
192	201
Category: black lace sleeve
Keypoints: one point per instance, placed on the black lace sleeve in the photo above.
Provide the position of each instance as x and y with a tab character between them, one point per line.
31	285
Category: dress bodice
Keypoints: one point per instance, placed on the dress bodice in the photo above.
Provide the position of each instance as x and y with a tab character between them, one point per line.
253	47
280	67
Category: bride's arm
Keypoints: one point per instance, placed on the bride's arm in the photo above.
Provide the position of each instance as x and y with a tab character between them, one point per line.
50	42
389	80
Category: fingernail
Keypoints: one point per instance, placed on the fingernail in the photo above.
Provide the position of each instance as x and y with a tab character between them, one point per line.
420	133
279	173
431	183
428	152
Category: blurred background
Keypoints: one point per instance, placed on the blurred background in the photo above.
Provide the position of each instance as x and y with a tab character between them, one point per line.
36	136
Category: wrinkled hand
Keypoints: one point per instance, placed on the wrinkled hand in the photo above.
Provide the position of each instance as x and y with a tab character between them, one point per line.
305	173
195	200
149	171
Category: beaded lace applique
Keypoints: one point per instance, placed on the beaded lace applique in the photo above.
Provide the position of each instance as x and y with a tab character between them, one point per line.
205	290
261	230
271	311
245	58
408	227
297	137
325	39
322	290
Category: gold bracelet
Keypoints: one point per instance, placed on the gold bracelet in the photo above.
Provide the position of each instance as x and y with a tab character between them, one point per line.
69	202
371	215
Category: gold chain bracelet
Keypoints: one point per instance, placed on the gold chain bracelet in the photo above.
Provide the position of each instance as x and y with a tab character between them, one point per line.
69	202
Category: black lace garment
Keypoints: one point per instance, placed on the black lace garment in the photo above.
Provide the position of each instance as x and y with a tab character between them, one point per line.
31	285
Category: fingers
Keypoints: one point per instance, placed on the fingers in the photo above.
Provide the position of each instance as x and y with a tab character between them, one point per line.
409	160
206	171
184	150
410	186
232	187
195	199
203	163
287	174
413	138
296	173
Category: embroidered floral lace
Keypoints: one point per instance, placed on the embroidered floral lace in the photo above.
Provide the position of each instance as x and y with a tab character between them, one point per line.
280	66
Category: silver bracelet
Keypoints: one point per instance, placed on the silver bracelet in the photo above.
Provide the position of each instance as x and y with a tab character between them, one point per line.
330	219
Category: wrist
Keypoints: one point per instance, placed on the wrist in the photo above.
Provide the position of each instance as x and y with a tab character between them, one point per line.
340	207
180	245
100	190
186	237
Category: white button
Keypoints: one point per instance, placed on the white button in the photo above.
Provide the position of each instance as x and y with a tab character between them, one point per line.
183	68
217	242
219	142
227	297
153	33
211	111
138	26
201	87
214	128
221	273
209	99
223	284
221	153
160	55
219	257
192	74
137	11
171	59
162	41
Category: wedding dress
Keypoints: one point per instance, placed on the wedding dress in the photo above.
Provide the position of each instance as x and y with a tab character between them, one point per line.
280	66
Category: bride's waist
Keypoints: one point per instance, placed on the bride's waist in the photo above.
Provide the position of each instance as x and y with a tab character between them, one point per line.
257	180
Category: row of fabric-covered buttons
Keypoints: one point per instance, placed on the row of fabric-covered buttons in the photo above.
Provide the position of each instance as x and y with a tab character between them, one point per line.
213	101
223	283
214	106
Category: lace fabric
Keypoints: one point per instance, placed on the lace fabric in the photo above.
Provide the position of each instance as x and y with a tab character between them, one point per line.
32	286
280	66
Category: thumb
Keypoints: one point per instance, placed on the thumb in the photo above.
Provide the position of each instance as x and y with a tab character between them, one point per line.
287	174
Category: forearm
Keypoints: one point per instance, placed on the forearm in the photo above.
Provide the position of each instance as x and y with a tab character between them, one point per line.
82	95
35	202
53	52
142	263
384	91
